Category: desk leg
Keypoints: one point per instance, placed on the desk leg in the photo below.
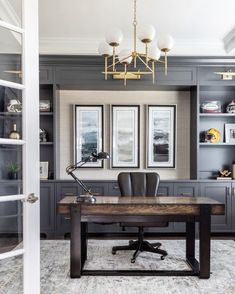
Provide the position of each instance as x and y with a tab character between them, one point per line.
205	246
190	240
84	242
75	242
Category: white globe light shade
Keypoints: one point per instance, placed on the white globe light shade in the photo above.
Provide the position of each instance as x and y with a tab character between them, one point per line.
146	33
104	49
165	43
154	53
114	37
123	56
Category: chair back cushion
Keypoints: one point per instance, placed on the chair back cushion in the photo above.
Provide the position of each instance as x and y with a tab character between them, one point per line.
138	183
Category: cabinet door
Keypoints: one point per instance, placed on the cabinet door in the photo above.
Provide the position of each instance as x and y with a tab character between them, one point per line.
46	75
186	190
222	193
47	209
233	207
64	189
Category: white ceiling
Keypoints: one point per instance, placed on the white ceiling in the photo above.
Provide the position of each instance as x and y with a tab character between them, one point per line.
78	26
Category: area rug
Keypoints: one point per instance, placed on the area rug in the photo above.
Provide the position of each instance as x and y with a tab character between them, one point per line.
55	273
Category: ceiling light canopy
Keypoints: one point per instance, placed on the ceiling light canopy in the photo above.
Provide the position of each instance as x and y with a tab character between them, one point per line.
135	63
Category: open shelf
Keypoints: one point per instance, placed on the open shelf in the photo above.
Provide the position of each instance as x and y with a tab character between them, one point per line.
46	143
216	144
217	114
46	113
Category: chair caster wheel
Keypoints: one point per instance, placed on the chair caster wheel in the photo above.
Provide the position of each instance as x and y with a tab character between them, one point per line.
113	252
163	257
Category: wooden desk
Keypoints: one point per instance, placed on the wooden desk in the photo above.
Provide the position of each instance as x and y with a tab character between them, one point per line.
142	209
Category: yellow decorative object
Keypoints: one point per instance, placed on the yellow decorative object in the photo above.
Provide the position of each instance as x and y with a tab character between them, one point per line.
225	173
213	135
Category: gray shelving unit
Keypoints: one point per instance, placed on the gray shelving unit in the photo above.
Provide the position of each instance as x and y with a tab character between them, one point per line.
47	152
213	157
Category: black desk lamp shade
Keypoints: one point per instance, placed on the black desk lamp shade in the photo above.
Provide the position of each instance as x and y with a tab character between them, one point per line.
88	197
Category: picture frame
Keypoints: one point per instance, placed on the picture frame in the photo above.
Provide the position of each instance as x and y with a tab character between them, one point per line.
44	170
88	133
230	133
44	105
161	134
125	136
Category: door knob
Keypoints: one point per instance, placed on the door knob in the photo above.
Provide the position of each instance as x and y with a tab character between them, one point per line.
32	198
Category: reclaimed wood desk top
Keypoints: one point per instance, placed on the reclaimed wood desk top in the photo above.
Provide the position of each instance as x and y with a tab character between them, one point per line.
169	205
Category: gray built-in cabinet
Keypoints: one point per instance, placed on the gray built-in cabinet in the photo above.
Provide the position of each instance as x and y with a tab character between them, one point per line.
193	74
53	191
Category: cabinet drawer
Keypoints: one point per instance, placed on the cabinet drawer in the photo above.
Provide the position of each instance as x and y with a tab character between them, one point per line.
165	189
113	190
186	189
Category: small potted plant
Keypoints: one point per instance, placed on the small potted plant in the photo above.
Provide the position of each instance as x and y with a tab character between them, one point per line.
14	168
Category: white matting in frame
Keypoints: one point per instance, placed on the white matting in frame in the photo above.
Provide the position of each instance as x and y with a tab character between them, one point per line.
125	136
88	133
160	131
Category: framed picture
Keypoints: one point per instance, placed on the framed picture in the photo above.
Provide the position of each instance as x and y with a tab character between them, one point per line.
230	133
125	136
44	170
88	132
161	126
45	105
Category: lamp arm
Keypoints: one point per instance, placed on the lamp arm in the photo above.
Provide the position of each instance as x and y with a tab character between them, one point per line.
80	183
71	168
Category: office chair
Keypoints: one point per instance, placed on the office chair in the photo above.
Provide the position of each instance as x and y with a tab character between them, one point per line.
140	184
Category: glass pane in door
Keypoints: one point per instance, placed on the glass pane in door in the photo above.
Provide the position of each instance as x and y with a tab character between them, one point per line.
11	280
10	113
11	226
10	55
11	12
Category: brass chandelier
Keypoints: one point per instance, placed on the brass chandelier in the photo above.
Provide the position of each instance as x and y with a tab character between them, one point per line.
135	64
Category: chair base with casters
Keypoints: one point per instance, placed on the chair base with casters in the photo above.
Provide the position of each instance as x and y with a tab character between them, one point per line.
141	245
140	184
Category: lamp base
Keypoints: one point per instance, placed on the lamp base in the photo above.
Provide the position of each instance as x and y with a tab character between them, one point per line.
86	199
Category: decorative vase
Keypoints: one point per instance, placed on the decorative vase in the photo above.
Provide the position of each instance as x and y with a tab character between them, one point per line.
14	134
13	175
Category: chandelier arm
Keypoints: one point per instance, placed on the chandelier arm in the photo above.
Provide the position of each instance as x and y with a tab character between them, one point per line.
146	52
153	67
135	26
145	63
106	64
165	63
131	72
113	58
119	61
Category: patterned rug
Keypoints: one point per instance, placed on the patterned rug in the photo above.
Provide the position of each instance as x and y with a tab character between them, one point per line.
55	272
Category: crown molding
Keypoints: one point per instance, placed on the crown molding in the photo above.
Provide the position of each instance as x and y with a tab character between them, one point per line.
86	46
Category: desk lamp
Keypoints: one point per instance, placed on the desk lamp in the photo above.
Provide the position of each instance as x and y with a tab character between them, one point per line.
94	157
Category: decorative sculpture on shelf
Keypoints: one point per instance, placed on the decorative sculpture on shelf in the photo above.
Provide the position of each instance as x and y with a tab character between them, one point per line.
88	197
14	105
212	136
43	135
224	175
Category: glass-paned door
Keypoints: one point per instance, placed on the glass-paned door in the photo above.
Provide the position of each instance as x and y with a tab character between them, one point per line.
19	147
